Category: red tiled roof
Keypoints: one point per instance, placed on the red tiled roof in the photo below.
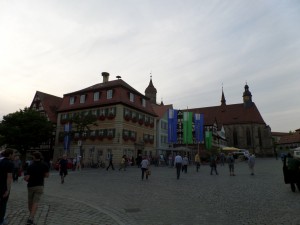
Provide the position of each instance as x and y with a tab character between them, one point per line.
160	110
279	134
121	92
230	114
50	104
290	138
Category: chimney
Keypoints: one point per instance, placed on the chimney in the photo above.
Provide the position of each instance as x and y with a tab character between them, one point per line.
105	76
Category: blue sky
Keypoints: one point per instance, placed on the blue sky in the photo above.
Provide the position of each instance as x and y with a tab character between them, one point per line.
191	48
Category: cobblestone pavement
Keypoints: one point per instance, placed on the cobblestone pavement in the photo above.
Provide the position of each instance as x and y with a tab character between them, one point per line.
97	196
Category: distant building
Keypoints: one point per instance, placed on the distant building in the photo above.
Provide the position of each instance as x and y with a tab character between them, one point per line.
288	141
161	110
242	125
130	123
126	122
47	105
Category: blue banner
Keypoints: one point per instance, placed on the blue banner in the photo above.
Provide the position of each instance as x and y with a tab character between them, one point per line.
199	127
172	126
67	138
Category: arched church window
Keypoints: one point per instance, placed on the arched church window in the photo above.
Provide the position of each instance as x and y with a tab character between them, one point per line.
248	135
259	137
235	138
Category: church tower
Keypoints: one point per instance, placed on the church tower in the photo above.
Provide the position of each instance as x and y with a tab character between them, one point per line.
247	97
151	91
223	100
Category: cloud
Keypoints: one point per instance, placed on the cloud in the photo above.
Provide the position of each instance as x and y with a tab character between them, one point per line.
191	48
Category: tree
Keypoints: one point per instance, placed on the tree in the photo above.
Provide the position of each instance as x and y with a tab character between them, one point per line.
83	122
25	129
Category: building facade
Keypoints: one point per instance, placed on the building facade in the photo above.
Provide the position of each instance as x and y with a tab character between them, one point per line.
284	142
47	105
129	123
125	123
242	124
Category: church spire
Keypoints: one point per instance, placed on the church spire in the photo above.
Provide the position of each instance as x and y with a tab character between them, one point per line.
247	97
223	100
151	91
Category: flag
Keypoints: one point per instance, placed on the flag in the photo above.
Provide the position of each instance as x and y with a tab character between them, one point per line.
187	128
208	139
172	126
67	138
199	127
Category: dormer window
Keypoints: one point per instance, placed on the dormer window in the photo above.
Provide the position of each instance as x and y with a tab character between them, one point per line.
82	98
131	97
96	96
72	100
144	102
109	94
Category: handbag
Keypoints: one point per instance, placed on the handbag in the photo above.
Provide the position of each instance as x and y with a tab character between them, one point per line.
148	172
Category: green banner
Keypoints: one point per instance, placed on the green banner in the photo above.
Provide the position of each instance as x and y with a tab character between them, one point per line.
208	139
187	128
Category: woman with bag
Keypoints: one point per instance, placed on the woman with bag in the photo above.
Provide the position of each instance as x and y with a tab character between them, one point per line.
145	168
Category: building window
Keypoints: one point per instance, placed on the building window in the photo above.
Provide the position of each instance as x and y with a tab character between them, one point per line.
248	137
72	100
164	125
94	112
259	137
128	153
82	98
131	97
109	152
93	133
144	102
96	96
235	138
109	94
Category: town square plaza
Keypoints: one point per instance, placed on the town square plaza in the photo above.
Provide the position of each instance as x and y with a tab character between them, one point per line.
113	197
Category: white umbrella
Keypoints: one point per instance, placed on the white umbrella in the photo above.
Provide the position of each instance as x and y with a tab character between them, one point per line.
230	149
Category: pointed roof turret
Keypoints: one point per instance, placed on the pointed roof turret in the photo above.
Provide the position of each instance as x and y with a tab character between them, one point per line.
223	100
151	91
247	96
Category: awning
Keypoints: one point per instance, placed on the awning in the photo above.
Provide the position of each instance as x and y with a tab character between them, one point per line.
230	149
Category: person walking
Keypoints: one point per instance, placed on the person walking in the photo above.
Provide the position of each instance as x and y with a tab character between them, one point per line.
251	163
145	167
197	162
17	168
230	161
222	158
78	162
213	165
139	160
6	178
123	163
170	160
294	171
110	162
63	168
185	162
36	173
178	164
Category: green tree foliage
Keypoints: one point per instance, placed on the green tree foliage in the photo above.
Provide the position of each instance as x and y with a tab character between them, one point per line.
83	122
25	129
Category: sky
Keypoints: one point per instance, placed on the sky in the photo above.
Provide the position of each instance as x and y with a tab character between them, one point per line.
192	49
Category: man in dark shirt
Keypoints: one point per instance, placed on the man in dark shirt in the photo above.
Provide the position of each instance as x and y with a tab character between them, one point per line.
110	162
63	168
6	170
36	173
